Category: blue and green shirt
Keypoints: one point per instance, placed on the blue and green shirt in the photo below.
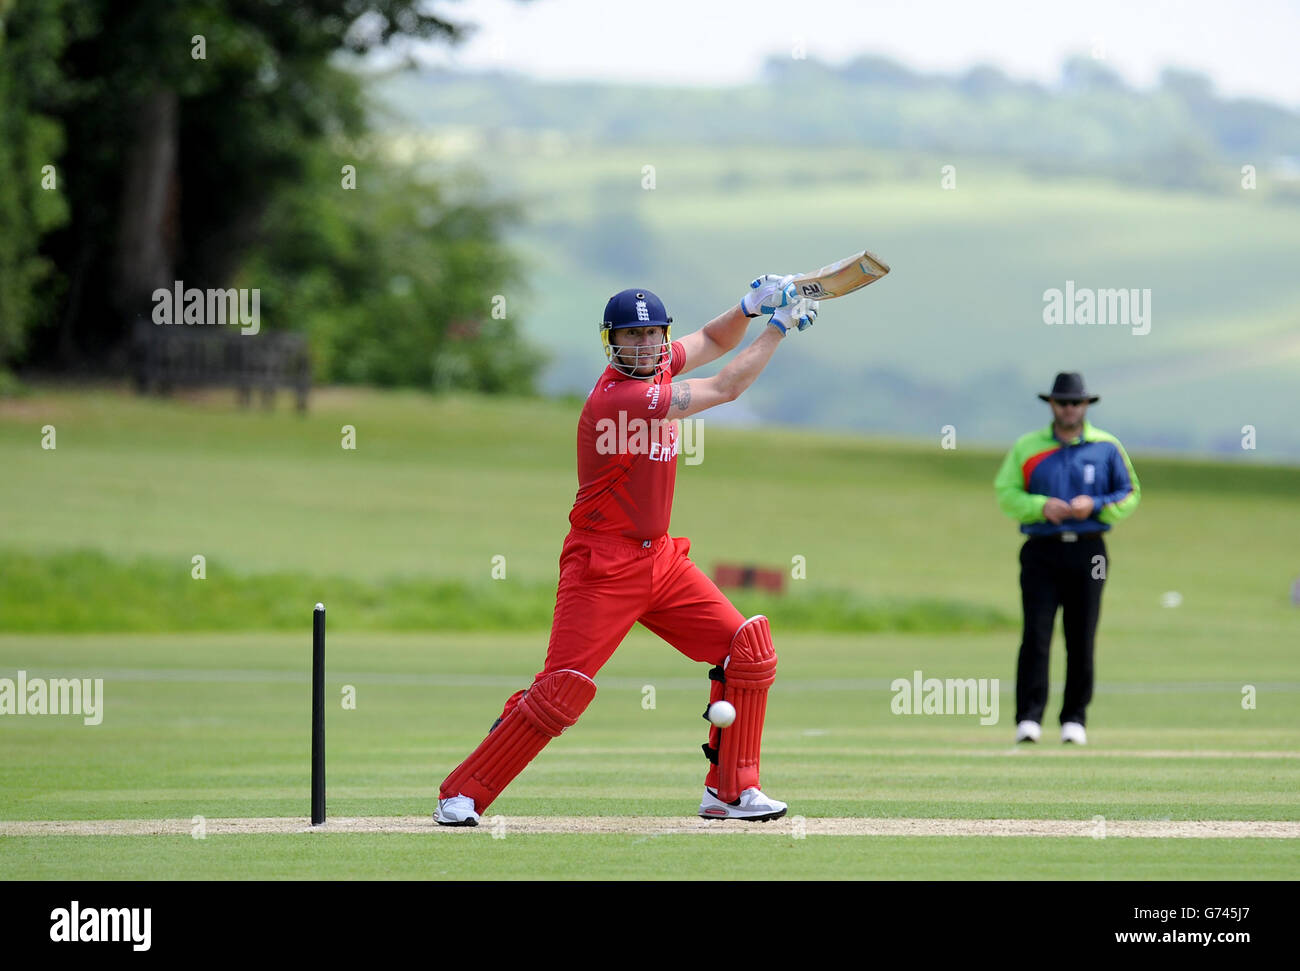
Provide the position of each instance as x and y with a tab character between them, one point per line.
1040	466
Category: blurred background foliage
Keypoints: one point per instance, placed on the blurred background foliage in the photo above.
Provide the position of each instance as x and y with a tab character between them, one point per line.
1174	134
494	212
227	169
983	191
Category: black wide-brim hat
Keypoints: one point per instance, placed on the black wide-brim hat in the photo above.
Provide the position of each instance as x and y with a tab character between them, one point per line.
1069	384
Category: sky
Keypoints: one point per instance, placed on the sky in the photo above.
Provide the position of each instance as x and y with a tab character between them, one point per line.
1248	50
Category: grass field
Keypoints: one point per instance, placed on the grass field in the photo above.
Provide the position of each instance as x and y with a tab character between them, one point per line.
211	720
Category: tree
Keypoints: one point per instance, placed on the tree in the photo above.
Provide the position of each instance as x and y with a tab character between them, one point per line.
185	126
399	281
1081	74
32	200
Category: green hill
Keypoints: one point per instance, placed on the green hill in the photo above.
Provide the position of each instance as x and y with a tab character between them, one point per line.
692	191
956	334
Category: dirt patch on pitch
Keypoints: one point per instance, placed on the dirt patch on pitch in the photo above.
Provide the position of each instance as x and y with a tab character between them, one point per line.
791	827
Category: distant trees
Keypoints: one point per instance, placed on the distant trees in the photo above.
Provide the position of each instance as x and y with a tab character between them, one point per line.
1179	133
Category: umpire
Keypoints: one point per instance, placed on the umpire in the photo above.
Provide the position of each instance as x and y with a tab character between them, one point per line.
1065	484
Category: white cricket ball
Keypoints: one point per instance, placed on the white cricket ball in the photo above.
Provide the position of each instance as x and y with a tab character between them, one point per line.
1171	598
722	713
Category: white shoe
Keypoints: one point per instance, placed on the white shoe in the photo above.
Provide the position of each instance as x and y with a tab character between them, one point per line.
753	805
1028	731
456	811
1073	732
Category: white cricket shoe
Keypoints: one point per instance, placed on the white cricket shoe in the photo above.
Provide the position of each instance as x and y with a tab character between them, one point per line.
1028	731
456	811
753	805
1073	732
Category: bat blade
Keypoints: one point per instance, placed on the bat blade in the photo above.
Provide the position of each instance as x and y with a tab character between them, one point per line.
844	276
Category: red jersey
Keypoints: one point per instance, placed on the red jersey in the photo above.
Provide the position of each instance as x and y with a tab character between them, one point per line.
627	453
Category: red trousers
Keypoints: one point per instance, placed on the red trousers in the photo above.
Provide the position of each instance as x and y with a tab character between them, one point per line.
609	583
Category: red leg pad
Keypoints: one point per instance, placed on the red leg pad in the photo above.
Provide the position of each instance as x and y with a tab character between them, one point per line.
550	706
716	691
750	671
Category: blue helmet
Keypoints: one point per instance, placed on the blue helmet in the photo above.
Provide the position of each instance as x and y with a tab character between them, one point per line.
635	308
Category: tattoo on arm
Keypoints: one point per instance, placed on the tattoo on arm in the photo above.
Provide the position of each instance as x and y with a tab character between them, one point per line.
681	396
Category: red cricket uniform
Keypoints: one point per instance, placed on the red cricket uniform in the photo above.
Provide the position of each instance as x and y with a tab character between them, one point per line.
618	565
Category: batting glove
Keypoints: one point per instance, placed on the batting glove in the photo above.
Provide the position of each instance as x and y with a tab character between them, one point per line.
800	313
768	293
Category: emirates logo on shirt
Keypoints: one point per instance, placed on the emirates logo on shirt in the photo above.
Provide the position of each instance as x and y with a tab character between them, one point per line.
656	438
652	393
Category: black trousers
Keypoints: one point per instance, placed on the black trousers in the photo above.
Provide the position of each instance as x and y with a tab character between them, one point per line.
1070	576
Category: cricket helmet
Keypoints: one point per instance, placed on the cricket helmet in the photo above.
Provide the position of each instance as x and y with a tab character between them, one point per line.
635	308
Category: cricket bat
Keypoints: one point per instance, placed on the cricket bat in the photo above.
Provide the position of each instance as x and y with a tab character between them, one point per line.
844	276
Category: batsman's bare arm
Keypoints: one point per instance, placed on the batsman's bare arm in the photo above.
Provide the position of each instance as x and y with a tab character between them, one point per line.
721	334
697	394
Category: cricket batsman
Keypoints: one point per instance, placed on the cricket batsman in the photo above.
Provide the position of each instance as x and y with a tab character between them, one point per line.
619	566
